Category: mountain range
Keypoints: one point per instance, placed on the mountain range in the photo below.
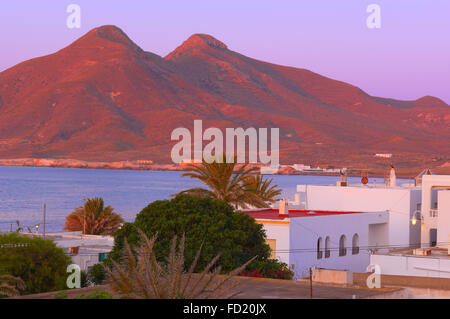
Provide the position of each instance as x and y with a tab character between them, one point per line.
103	98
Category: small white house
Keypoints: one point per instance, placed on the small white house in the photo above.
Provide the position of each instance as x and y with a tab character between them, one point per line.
322	239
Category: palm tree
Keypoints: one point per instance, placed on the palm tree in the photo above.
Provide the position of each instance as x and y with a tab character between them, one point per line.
142	276
262	188
226	181
10	286
93	218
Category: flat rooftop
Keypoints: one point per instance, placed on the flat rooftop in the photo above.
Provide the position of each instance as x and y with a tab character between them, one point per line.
367	186
77	239
273	213
261	288
436	253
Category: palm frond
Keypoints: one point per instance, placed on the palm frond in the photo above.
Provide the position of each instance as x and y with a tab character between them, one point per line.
142	276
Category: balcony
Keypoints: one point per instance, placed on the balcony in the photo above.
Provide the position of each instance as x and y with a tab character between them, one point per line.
433	213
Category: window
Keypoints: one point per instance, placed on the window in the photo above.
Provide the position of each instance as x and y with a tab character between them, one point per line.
319	248
327	247
355	244
273	248
342	246
433	237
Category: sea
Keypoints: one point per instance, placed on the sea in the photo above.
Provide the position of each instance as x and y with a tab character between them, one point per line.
25	190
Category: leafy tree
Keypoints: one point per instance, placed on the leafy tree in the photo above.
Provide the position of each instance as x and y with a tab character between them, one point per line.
235	185
93	218
213	223
38	262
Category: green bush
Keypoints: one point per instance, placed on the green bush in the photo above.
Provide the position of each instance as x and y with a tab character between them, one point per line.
235	235
61	295
40	264
98	294
96	274
270	268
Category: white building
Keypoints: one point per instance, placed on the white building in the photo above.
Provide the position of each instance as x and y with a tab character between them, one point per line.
322	239
85	250
402	203
433	258
268	170
381	215
383	155
435	219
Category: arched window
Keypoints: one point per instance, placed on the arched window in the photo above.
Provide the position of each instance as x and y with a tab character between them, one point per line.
327	247
319	248
342	246
355	244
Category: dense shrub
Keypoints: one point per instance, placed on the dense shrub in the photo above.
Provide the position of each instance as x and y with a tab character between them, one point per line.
270	268
96	274
40	264
98	294
235	235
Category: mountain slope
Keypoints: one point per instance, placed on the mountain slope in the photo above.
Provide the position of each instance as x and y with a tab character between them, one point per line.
104	98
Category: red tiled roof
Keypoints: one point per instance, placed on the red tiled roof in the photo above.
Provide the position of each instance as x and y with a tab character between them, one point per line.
272	213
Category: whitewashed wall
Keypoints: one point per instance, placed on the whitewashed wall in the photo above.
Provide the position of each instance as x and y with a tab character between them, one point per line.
443	220
401	202
279	232
412	266
428	199
305	231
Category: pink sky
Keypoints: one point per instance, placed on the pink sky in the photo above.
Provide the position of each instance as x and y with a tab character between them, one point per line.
409	57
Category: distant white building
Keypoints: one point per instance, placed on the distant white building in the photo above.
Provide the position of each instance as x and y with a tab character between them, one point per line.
383	155
85	250
300	167
267	170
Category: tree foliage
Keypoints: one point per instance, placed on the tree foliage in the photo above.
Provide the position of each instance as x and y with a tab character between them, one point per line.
40	264
262	188
96	274
237	185
204	221
93	218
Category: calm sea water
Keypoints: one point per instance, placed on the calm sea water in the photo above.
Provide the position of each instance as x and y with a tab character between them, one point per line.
24	190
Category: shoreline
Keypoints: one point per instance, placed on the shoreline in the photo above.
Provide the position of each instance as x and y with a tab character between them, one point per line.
146	165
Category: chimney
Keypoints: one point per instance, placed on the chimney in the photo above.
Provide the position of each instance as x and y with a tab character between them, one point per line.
283	208
392	177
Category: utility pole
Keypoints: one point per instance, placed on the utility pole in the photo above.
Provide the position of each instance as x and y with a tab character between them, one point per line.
310	282
45	208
